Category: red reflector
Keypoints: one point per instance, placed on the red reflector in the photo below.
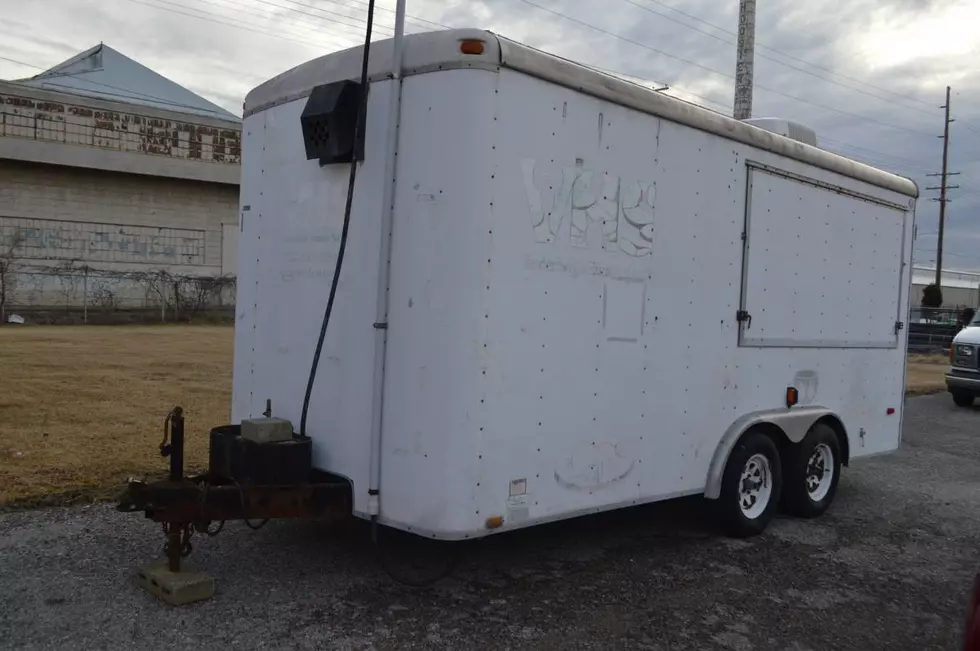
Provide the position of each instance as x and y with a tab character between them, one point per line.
890	411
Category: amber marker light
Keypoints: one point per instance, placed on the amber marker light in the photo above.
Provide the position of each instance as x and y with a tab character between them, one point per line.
471	46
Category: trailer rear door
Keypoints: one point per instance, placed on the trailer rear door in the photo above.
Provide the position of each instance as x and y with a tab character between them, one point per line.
822	265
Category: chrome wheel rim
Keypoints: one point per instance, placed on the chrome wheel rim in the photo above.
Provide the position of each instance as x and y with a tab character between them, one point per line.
755	486
820	472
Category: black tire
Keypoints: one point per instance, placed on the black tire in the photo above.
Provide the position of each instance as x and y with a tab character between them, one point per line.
961	399
735	520
802	464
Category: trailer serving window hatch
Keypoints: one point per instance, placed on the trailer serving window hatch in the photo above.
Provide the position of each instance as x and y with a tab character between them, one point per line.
824	265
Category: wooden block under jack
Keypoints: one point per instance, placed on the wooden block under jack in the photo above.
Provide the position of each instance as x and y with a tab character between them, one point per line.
175	588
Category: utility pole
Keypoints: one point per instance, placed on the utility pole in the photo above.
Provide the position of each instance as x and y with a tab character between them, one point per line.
744	62
943	187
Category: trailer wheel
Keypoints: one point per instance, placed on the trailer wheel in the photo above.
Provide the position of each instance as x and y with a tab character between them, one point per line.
961	399
812	472
751	485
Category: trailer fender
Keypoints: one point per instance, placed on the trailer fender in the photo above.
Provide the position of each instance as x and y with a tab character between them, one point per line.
793	423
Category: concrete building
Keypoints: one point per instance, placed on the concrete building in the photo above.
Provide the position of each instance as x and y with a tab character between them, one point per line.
960	288
118	189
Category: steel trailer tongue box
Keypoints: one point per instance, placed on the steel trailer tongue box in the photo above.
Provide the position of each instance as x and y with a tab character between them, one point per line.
564	293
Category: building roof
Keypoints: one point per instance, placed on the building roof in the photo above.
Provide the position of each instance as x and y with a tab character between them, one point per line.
105	73
925	275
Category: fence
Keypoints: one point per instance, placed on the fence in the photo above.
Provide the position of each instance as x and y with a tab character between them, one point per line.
931	337
73	293
78	293
958	315
931	330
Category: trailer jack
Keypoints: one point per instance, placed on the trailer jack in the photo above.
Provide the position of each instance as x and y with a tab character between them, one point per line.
185	505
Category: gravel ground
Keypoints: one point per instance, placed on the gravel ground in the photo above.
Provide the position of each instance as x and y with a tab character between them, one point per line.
888	567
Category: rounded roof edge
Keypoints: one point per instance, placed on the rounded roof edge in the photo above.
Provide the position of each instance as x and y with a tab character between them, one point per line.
439	50
422	51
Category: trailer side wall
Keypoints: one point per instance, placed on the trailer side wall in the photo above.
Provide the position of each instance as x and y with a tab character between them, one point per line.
566	274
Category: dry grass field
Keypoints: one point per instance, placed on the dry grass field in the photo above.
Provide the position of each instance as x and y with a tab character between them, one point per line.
926	373
82	408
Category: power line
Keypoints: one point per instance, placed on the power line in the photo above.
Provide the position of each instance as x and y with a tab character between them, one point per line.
21	63
968	126
310	28
967	256
908	163
775	60
627	77
358	24
723	74
781	53
623	38
724	109
390	11
220	22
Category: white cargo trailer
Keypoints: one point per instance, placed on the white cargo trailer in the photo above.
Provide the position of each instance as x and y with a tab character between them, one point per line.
582	295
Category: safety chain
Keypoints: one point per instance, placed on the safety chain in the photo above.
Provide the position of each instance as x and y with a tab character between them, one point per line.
205	526
187	530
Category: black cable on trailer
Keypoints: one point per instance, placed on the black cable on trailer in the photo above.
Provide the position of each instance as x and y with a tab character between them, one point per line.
358	130
448	555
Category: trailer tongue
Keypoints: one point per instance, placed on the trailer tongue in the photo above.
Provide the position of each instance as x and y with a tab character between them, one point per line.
249	478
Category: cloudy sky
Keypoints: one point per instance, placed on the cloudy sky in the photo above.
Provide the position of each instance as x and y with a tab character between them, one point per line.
868	75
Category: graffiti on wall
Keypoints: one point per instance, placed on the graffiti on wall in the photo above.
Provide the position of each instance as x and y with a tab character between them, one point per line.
577	200
25	117
93	242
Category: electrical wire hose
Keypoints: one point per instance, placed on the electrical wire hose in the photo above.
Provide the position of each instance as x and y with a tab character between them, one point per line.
359	124
358	134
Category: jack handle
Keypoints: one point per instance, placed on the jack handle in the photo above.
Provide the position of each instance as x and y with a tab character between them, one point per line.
173	428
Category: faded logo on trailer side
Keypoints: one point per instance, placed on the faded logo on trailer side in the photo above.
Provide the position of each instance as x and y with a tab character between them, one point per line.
594	466
622	209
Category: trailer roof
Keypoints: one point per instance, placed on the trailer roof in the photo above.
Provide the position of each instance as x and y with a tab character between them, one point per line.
439	50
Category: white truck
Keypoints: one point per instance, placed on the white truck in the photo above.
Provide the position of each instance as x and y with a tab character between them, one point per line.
963	377
565	293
